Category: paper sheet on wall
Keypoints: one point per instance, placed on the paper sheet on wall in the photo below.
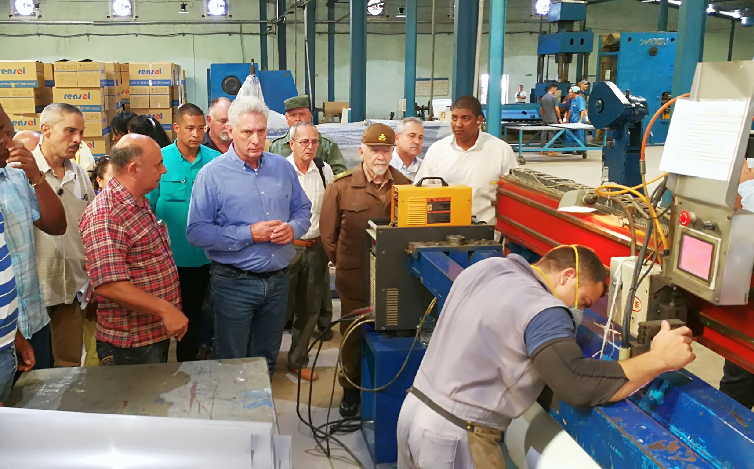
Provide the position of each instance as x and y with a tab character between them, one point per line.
704	137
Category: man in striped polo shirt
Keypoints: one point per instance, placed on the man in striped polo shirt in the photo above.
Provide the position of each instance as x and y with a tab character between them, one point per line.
11	341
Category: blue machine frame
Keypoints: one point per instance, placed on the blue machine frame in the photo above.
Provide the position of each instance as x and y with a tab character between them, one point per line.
627	68
676	421
277	85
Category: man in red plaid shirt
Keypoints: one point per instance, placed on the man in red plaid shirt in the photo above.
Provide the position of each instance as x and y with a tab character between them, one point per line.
129	263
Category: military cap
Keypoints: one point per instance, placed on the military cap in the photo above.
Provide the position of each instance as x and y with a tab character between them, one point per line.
378	134
296	102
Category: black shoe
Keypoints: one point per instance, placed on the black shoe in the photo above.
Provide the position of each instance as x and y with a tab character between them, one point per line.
324	334
349	406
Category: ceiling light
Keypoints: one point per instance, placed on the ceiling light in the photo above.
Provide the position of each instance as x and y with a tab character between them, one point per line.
216	8
121	9
401	12
23	8
711	9
732	14
375	7
542	7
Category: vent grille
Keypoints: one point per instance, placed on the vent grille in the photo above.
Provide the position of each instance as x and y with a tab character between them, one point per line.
392	303
417	211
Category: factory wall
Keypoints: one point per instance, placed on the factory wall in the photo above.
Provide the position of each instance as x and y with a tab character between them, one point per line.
195	46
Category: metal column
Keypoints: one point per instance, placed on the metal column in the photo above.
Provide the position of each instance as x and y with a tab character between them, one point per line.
282	60
691	21
498	10
464	47
358	86
310	64
662	18
730	39
331	50
263	34
409	74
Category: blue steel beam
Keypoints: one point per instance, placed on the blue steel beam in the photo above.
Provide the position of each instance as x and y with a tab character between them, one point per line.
263	34
498	10
409	74
358	86
691	22
662	18
331	50
464	47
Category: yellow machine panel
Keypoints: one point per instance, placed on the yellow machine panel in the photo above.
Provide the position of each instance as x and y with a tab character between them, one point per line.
430	205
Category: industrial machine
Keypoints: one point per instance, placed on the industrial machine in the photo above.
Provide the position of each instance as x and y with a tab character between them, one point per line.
624	59
419	205
569	41
703	280
225	80
622	115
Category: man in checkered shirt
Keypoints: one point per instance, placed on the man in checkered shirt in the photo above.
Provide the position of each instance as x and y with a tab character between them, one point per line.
129	262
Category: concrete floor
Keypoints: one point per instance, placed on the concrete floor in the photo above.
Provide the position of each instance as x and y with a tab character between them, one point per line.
708	365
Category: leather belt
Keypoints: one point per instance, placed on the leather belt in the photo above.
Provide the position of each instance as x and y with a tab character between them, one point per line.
457	421
306	243
250	273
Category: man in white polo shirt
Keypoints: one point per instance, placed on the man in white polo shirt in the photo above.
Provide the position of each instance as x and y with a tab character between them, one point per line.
307	273
470	157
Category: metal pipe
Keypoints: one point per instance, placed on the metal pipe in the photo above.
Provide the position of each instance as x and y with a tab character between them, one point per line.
358	88
263	34
331	50
409	70
310	64
690	49
123	23
478	56
662	18
432	67
464	47
730	39
281	36
498	10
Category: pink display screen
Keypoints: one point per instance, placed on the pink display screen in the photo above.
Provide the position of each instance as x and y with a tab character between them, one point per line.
696	257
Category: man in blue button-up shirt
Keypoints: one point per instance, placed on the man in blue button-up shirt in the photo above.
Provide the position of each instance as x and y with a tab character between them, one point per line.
246	208
170	202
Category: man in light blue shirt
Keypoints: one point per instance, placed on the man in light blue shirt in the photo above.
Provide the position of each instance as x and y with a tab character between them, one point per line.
409	142
246	209
27	200
170	202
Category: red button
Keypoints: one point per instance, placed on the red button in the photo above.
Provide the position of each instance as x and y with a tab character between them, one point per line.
684	218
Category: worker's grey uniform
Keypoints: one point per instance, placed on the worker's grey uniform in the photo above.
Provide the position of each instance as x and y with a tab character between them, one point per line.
476	366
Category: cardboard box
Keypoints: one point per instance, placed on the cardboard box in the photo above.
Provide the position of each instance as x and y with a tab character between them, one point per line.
140	101
86	74
163	116
86	99
100	145
21	74
25	100
49	75
24	121
96	124
153	74
162	101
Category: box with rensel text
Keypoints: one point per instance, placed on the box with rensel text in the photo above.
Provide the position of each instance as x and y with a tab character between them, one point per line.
24	121
152	74
21	74
86	99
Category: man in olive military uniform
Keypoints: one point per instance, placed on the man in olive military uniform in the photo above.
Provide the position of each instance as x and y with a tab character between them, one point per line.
297	112
350	202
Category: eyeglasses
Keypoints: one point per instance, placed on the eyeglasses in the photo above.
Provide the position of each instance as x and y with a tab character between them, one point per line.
306	142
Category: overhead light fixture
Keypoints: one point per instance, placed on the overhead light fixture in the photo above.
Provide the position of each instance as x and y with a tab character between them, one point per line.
24	8
375	7
121	9
542	7
711	9
216	8
732	14
401	12
578	201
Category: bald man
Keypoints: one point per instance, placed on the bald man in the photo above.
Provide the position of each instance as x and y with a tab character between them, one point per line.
217	136
129	263
28	138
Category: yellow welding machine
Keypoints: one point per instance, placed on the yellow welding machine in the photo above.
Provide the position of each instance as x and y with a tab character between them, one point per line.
418	205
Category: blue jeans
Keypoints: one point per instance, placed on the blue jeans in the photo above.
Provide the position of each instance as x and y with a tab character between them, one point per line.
152	353
7	372
41	342
250	311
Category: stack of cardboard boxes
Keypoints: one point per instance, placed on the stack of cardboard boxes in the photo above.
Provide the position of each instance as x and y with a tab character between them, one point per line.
154	90
25	88
95	88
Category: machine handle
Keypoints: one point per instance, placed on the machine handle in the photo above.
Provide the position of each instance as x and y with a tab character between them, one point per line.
420	181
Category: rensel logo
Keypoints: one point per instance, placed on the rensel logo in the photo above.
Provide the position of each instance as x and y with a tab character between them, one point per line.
150	71
13	71
81	96
22	123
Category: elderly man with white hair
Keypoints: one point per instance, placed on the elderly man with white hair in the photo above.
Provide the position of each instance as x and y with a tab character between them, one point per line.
247	207
409	142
